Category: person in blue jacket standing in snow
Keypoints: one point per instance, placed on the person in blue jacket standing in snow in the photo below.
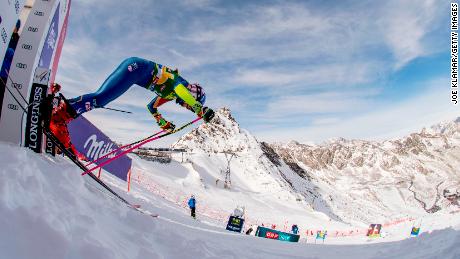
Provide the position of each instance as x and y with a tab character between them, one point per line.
192	205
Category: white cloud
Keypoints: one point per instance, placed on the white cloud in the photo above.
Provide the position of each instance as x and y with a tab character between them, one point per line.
265	33
340	74
285	47
203	4
393	120
332	102
325	121
404	25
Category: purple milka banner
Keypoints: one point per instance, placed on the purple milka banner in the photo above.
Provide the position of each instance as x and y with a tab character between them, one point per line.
50	41
92	143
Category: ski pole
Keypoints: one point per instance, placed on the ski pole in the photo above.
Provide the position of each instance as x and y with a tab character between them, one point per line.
112	109
14	85
65	151
19	92
125	146
140	144
122	153
14	97
22	96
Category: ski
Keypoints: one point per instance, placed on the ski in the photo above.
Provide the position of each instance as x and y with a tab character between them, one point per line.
72	157
138	208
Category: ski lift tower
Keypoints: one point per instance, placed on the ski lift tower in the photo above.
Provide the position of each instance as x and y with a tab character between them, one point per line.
228	181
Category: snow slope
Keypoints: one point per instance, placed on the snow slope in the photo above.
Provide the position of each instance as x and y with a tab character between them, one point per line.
49	211
350	183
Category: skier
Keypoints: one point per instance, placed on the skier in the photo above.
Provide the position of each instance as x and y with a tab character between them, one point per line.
165	82
56	123
192	206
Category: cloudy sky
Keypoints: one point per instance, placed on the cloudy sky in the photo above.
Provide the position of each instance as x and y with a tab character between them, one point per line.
303	70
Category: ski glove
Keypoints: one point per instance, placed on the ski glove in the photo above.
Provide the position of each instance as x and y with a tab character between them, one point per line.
168	126
207	114
164	124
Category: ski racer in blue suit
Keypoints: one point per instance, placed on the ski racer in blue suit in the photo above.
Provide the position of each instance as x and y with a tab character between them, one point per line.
165	82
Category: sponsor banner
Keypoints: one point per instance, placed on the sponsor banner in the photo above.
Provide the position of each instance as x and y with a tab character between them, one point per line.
50	41
54	45
65	11
9	14
23	66
91	142
34	129
50	147
275	234
235	224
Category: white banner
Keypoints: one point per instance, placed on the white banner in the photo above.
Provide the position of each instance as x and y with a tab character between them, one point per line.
22	68
9	14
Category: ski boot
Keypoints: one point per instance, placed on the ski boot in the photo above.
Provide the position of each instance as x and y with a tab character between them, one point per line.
61	115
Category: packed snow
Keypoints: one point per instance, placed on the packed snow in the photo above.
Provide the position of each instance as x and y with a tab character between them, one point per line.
49	211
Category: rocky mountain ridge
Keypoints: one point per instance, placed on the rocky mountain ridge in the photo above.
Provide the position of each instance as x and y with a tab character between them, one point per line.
349	179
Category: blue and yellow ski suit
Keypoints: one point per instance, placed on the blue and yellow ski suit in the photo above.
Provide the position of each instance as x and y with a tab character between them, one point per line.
165	82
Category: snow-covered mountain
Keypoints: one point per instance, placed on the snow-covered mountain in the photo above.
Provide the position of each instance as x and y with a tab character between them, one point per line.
222	135
420	171
349	180
254	171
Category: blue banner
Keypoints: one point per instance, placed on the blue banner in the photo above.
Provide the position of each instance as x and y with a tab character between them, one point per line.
275	234
235	224
50	41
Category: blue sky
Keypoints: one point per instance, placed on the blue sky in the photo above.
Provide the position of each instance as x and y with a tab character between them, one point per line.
302	70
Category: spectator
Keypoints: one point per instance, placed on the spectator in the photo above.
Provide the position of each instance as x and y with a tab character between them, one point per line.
192	206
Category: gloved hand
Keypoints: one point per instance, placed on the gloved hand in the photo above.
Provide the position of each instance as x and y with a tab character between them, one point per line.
168	126
164	124
207	114
204	112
